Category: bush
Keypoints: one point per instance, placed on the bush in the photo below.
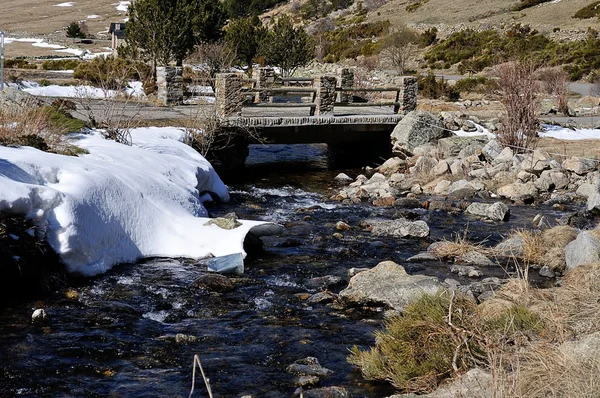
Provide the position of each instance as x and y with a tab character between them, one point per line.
431	87
60	64
111	73
528	3
589	11
19	64
478	84
74	30
420	349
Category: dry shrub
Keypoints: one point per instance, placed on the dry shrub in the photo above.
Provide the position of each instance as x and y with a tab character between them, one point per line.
533	247
554	241
556	82
519	97
456	249
579	296
568	370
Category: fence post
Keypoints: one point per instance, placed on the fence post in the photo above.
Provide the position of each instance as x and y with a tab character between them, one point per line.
264	78
325	97
407	96
169	80
346	81
228	94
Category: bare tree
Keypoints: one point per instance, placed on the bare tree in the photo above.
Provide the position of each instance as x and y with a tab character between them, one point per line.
116	110
210	59
555	82
519	94
399	48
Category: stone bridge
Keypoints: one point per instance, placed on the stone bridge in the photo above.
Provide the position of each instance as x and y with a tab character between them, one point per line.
323	109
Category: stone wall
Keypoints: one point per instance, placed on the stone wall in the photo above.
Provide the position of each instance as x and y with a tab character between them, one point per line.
325	98
228	94
408	94
346	79
170	85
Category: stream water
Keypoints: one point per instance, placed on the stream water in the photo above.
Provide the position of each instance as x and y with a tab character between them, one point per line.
134	331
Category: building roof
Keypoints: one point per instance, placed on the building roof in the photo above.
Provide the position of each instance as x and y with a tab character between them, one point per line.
118	29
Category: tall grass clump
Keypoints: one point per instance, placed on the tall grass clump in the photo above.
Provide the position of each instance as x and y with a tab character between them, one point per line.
428	343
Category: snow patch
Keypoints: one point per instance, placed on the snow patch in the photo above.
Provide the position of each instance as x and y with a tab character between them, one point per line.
119	203
68	4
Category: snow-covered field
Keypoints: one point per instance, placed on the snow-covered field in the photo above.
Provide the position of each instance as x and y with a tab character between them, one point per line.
119	203
134	89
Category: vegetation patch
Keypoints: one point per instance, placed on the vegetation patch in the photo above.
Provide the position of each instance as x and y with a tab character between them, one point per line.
423	346
16	63
589	11
415	5
529	3
60	64
353	40
472	51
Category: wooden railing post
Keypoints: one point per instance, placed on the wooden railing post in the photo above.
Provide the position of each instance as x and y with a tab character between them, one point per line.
325	96
228	94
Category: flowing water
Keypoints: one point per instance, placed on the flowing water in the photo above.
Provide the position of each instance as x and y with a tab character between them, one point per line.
134	331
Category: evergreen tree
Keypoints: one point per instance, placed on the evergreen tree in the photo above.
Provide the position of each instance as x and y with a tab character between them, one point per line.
244	36
162	31
286	46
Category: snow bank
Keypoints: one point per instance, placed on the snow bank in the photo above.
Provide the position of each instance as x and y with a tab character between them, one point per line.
120	203
563	133
135	89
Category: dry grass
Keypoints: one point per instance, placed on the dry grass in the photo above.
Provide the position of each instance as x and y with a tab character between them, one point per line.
563	360
457	248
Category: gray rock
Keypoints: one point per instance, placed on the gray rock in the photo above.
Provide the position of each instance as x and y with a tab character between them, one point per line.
214	283
342	177
461	189
517	190
389	284
513	246
453	145
308	366
466	270
400	228
586	190
476	258
497	211
421	257
424	165
546	272
583	250
326	392
391	166
504	157
580	165
491	150
476	383
440	169
417	128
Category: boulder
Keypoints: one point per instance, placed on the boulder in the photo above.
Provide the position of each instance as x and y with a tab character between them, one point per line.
389	284
452	146
496	211
475	383
399	228
583	250
491	150
391	166
580	165
517	190
417	128
461	189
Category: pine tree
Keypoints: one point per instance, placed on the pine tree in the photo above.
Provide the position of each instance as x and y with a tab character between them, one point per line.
163	31
286	46
244	36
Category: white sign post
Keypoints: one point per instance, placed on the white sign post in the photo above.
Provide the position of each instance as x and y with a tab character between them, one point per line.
1	61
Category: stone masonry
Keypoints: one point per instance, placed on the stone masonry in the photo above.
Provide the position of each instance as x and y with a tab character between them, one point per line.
325	97
407	97
346	81
170	85
228	94
264	78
